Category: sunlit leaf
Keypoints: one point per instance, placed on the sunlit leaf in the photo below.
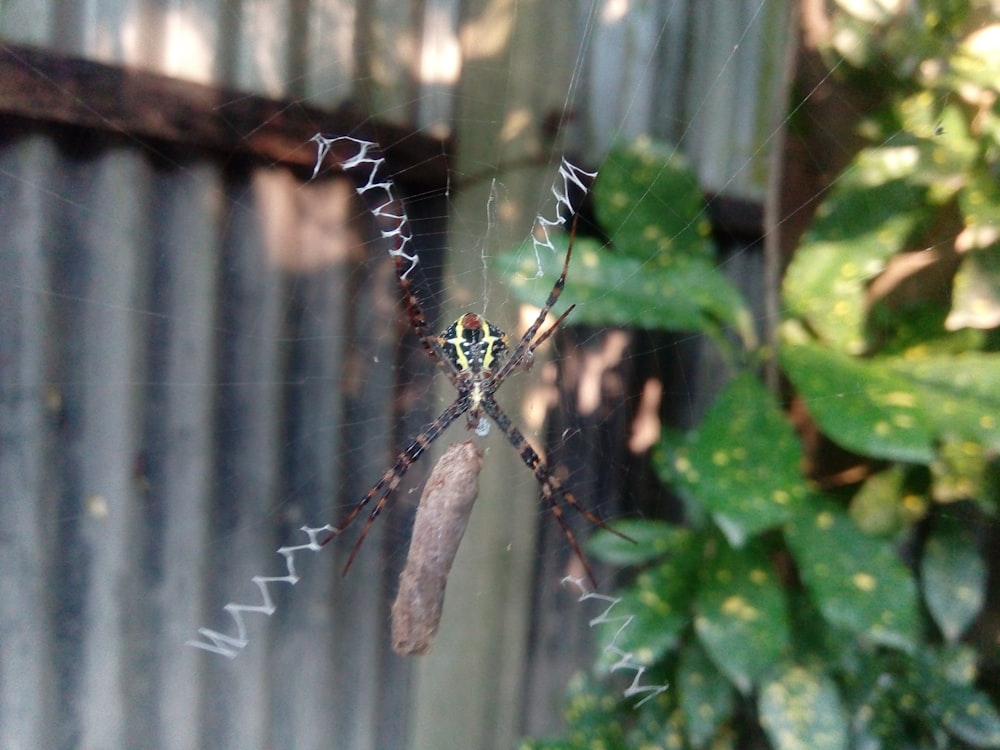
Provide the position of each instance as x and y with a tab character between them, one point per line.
743	463
856	231
896	408
976	293
977	61
980	205
742	615
871	11
614	289
884	505
953	576
650	204
946	149
800	709
962	470
856	581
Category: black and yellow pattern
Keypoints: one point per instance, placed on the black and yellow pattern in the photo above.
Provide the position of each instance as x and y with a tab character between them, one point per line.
474	345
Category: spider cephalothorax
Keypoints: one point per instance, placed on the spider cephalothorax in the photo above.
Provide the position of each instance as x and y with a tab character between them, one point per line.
476	348
474	345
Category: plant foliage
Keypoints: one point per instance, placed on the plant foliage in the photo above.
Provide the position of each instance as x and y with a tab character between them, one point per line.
782	614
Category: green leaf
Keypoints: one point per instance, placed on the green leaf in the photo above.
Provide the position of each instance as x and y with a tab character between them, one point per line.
964	711
706	697
594	720
980	205
742	617
953	576
743	463
977	61
961	470
856	581
661	273
609	288
650	204
941	137
970	716
857	230
649	617
655	720
884	505
650	540
800	709
897	408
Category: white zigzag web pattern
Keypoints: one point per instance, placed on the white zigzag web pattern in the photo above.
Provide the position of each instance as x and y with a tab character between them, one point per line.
387	210
229	645
626	660
570	174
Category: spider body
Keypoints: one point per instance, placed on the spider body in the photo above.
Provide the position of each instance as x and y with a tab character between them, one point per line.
475	356
476	348
474	345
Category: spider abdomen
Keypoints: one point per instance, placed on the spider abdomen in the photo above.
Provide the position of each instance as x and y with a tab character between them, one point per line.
473	344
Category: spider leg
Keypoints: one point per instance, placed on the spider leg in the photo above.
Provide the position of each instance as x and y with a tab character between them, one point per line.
525	345
552	488
385	486
550	330
418	323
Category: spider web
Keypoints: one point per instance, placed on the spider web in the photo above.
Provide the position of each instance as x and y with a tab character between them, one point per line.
467	285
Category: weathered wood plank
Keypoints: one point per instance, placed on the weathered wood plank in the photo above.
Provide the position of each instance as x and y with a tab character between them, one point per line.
142	106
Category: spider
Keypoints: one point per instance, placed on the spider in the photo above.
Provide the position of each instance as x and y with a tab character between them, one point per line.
476	357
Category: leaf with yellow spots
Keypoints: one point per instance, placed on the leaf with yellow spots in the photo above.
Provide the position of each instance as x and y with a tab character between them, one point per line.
596	723
948	698
856	231
650	204
963	470
706	697
742	463
970	716
610	288
952	576
898	408
741	614
856	581
800	709
979	202
655	610
886	504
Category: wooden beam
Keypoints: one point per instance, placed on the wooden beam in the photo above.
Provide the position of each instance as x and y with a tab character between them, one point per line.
44	87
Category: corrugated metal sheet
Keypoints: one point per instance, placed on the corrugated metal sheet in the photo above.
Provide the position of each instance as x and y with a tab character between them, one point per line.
200	352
